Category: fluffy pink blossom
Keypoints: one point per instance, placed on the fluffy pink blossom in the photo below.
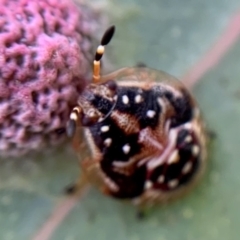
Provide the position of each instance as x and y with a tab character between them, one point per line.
45	59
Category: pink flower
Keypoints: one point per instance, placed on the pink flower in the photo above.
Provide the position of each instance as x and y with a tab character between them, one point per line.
45	59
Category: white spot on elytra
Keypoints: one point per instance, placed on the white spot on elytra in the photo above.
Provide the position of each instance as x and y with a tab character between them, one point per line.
138	98
173	183
126	148
195	150
107	142
188	126
188	139
148	185
151	113
100	119
161	179
174	157
104	128
125	99
187	167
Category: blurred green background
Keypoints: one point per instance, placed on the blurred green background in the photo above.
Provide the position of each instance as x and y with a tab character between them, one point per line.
172	36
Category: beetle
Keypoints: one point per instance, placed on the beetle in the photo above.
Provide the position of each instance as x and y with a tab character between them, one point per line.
144	132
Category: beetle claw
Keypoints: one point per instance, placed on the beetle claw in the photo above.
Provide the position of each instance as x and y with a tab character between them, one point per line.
211	134
71	189
141	214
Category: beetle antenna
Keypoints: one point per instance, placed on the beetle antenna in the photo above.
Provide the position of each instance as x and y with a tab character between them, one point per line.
72	122
107	36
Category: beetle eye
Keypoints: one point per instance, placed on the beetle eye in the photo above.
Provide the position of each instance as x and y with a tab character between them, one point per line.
90	118
111	84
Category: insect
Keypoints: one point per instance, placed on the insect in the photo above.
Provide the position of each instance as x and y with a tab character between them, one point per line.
144	133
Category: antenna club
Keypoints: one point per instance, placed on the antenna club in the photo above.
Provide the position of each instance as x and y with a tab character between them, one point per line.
107	36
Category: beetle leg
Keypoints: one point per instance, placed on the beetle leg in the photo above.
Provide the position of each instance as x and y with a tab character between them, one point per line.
211	134
73	121
77	186
90	167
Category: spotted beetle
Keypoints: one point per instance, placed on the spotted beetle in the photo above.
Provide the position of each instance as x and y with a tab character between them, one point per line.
144	133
